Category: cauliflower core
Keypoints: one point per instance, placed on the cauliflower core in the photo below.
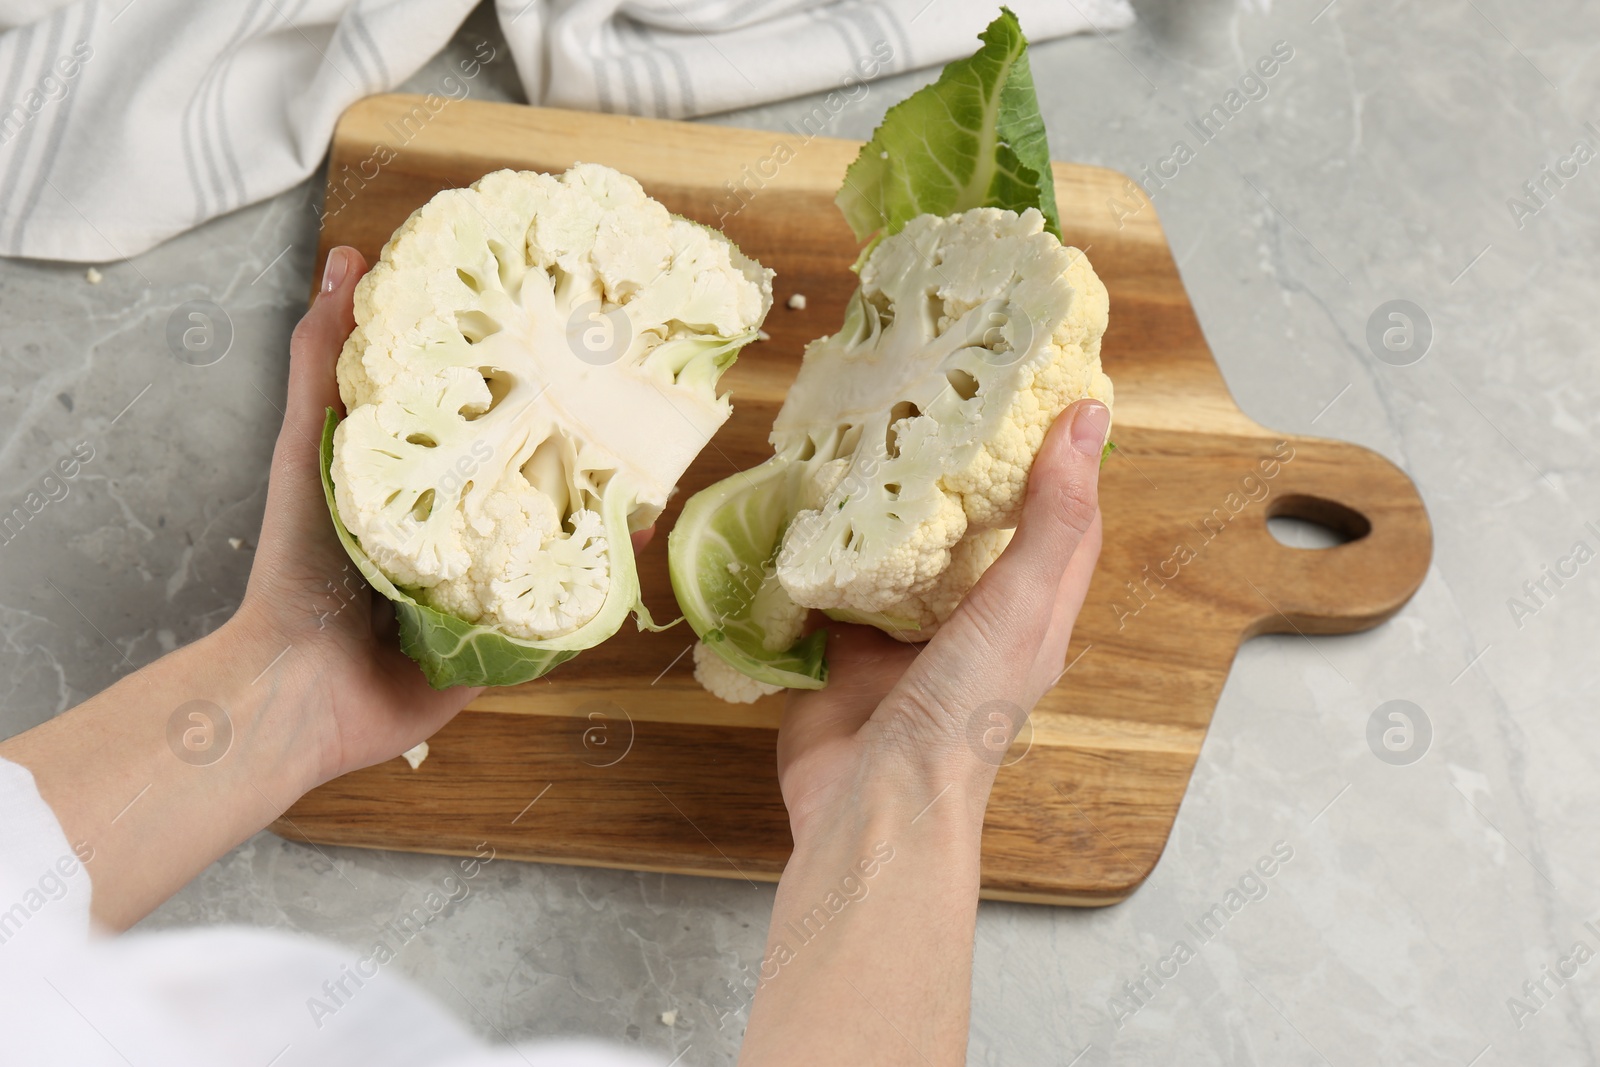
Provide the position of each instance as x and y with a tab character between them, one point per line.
917	422
534	365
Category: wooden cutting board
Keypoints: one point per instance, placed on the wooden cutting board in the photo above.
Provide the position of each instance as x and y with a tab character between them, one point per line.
618	759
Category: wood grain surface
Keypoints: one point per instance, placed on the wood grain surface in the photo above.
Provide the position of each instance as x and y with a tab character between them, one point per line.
618	759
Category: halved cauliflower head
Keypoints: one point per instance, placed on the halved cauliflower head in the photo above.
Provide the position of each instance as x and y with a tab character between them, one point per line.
533	367
902	453
917	423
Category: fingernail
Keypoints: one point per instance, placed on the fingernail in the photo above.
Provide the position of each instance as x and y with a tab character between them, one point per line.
334	271
1090	419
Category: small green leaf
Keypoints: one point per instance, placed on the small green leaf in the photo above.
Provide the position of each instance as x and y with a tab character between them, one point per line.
974	138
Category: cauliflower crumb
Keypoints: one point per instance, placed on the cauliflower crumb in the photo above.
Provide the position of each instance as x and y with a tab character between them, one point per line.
797	302
724	681
669	1018
734	567
415	756
236	543
763	335
93	277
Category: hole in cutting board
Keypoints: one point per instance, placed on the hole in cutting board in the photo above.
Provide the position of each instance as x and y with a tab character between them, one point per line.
1311	522
1301	533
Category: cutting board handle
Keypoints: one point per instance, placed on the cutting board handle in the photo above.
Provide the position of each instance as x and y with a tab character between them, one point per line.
1352	586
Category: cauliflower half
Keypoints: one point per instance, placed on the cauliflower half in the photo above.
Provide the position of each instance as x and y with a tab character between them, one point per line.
903	448
534	365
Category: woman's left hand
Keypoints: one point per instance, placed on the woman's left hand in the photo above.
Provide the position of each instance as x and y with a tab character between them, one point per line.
306	598
159	775
306	602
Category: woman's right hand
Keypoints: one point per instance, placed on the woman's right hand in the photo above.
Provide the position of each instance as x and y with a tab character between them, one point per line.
931	715
886	773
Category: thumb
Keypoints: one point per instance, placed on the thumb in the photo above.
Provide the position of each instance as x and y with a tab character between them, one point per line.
989	645
1063	497
315	345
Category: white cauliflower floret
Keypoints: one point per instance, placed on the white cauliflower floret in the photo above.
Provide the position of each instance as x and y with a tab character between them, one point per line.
533	367
919	616
565	579
822	480
856	581
532	568
919	420
725	681
513	525
779	618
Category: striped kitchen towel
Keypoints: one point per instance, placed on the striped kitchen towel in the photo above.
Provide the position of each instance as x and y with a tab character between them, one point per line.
125	122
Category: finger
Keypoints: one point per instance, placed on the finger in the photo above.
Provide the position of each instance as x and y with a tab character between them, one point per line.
990	644
1052	658
423	710
314	347
296	536
1061	506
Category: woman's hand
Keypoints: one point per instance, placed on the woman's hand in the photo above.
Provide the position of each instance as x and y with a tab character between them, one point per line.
941	713
886	773
165	771
306	602
367	702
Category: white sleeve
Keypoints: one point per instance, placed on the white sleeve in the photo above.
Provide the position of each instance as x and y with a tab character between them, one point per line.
205	995
44	888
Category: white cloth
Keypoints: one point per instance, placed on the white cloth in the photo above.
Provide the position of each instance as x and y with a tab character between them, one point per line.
203	996
124	122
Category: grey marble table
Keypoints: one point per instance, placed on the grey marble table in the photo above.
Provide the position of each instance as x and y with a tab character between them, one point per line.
1384	160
